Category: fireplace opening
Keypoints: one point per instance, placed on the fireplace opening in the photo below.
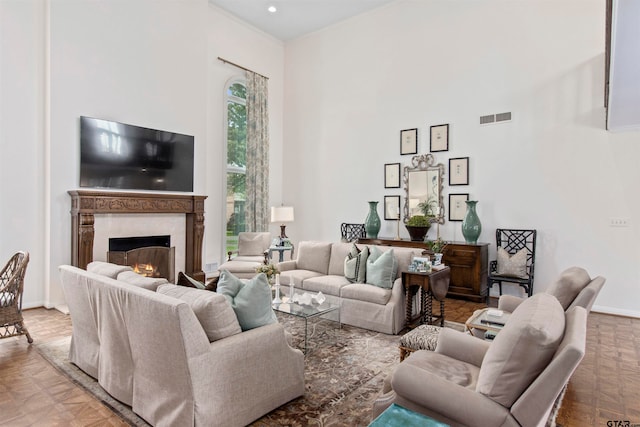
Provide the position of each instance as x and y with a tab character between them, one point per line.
151	256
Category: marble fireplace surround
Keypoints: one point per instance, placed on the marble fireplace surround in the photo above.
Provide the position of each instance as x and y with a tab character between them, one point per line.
85	204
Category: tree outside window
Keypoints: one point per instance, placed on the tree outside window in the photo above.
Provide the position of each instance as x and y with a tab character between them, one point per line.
236	163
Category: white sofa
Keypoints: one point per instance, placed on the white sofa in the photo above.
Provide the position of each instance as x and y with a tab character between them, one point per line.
319	267
150	351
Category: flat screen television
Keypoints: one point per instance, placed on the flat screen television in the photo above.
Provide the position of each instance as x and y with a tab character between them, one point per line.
122	156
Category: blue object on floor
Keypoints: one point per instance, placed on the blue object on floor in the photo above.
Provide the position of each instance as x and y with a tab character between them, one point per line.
398	416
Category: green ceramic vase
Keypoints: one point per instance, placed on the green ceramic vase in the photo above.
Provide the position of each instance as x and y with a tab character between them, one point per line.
471	226
372	222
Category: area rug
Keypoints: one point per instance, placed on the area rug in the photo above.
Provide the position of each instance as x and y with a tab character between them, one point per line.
344	371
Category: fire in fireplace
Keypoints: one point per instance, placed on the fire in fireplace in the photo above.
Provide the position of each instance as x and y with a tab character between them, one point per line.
151	256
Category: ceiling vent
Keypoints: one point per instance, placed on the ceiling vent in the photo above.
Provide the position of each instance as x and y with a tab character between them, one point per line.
495	118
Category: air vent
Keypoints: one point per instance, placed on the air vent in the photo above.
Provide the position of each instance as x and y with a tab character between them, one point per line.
503	117
484	120
495	118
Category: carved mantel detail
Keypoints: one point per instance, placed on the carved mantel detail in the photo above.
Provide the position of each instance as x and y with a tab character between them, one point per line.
86	203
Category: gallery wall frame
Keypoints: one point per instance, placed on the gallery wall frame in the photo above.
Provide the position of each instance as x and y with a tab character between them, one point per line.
392	208
457	206
392	175
409	141
439	138
459	171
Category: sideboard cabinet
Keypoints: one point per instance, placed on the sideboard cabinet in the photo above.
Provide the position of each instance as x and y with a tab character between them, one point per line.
469	265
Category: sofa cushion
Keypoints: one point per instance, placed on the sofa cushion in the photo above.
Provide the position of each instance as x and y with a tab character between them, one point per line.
135	279
252	244
298	277
339	252
522	349
250	299
355	264
248	267
364	292
512	265
314	256
212	310
328	285
382	268
567	287
107	269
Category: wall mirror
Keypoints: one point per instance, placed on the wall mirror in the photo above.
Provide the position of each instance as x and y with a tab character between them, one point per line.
423	184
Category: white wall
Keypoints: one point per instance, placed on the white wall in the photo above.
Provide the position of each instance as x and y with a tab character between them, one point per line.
145	62
351	89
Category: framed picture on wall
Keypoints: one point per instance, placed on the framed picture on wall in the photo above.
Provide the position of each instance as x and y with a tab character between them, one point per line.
439	138
459	171
409	141
392	175
457	206
392	207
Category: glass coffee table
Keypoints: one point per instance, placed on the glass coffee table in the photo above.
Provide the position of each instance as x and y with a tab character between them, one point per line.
306	312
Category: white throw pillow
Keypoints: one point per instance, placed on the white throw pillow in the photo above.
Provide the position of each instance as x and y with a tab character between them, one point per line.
512	265
355	264
212	310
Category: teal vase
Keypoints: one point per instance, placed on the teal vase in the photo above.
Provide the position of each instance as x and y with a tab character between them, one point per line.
372	223
471	226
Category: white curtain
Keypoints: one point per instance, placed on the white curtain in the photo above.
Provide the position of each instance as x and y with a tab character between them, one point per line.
257	174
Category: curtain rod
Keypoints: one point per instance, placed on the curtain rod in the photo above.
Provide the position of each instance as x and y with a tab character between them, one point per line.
240	66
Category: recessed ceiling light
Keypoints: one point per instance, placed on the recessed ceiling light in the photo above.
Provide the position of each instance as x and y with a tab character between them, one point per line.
272	9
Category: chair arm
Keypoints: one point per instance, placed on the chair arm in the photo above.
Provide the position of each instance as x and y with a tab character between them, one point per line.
461	346
509	303
287	265
440	396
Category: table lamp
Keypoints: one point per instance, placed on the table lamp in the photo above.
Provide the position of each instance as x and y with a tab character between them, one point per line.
282	214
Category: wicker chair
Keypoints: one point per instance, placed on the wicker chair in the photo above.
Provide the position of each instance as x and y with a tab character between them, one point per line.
11	286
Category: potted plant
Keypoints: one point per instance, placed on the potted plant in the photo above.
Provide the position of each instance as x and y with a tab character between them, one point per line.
417	226
437	247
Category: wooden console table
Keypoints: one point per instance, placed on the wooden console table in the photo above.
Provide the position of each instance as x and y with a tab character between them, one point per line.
86	203
469	265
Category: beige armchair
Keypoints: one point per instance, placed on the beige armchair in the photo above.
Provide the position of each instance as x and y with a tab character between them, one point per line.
572	288
253	249
514	381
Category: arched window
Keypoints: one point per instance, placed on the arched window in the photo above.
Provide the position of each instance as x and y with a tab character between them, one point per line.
236	161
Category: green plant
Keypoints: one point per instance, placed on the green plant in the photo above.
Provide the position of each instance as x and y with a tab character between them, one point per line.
437	246
428	207
419	221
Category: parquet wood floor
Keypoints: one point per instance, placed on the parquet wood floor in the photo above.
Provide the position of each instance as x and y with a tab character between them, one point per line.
605	387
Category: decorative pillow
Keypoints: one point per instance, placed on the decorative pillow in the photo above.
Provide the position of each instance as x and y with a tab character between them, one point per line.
382	268
189	282
107	269
522	349
251	244
512	265
135	279
250	299
212	310
570	283
355	264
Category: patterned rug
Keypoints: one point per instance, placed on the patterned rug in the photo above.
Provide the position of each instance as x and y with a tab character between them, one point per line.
344	371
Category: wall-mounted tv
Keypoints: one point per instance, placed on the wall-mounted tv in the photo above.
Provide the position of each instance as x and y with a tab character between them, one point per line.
118	155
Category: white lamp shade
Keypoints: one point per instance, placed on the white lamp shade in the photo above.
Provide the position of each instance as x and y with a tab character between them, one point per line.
282	214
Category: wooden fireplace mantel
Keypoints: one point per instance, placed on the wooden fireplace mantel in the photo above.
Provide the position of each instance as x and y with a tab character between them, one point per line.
86	203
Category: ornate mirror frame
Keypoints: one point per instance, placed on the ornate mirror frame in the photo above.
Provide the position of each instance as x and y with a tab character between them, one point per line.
420	181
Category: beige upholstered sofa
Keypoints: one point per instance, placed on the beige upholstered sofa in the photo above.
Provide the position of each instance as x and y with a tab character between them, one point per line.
320	267
151	351
252	252
514	381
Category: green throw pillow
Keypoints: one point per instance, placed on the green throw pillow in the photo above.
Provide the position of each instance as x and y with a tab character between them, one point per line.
355	264
382	268
250	299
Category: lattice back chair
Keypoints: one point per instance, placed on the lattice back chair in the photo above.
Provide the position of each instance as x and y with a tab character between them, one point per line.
11	287
514	241
352	232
